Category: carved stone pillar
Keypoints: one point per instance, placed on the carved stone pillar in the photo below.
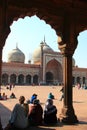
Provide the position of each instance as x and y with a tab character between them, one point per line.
0	66
3	36
4	30
68	111
67	114
2	42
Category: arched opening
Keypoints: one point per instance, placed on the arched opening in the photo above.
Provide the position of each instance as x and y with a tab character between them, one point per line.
56	70
21	79
49	78
17	38
28	79
54	14
4	79
78	79
35	79
84	80
28	43
13	79
80	51
73	80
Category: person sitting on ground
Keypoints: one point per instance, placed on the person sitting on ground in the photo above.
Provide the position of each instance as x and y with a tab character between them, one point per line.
1	96
4	96
34	96
19	118
50	96
35	113
50	112
12	95
7	87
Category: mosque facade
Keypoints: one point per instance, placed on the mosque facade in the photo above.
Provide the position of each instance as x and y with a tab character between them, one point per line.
47	68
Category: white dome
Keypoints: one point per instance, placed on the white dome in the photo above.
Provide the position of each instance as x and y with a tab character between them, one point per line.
37	52
16	55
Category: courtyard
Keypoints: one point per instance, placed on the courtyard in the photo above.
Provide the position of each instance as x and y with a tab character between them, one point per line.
79	104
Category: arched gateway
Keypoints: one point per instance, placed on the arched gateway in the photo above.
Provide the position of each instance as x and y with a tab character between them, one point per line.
67	17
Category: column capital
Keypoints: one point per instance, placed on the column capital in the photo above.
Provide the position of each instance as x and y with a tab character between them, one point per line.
67	38
66	49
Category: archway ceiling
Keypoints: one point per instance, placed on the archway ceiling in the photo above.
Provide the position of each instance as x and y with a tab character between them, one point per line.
54	12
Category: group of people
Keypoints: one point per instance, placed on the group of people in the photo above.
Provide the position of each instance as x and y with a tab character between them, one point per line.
10	86
32	113
3	96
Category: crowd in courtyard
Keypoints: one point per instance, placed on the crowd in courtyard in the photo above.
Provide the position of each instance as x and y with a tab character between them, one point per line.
31	104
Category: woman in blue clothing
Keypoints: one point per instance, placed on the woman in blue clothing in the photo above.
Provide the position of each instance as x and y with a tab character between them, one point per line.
33	97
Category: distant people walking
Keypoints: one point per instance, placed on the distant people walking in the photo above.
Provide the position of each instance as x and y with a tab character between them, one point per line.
50	112
79	85
13	85
10	86
62	96
19	118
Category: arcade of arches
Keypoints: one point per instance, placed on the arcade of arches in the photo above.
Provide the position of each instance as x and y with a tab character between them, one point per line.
68	18
28	74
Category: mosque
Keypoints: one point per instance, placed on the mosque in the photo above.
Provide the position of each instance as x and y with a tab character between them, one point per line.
47	68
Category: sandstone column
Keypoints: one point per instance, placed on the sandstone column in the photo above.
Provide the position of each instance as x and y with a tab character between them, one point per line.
67	42
0	66
68	111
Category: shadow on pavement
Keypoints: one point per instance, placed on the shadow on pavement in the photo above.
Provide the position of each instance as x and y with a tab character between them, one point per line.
82	122
4	114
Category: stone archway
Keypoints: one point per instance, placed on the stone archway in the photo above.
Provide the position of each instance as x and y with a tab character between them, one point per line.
55	69
68	18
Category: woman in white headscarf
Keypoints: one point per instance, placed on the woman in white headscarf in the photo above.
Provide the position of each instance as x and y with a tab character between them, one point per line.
50	112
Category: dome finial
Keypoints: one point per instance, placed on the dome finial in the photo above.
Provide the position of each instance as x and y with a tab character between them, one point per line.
44	39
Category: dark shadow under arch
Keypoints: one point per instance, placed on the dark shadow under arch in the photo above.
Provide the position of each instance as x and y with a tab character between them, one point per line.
49	77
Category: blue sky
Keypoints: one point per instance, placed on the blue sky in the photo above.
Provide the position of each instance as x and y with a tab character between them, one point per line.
29	32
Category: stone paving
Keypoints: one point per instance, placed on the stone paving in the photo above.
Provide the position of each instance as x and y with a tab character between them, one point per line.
79	104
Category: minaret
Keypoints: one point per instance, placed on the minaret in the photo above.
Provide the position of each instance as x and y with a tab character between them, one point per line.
16	45
44	40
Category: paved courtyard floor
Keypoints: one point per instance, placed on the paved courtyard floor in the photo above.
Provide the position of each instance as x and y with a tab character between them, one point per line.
79	104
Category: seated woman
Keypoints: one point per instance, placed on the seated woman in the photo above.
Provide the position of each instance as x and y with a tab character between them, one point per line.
50	112
12	95
50	96
19	116
35	113
34	96
4	96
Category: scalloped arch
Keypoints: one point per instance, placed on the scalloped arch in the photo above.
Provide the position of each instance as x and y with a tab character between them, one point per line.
47	19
